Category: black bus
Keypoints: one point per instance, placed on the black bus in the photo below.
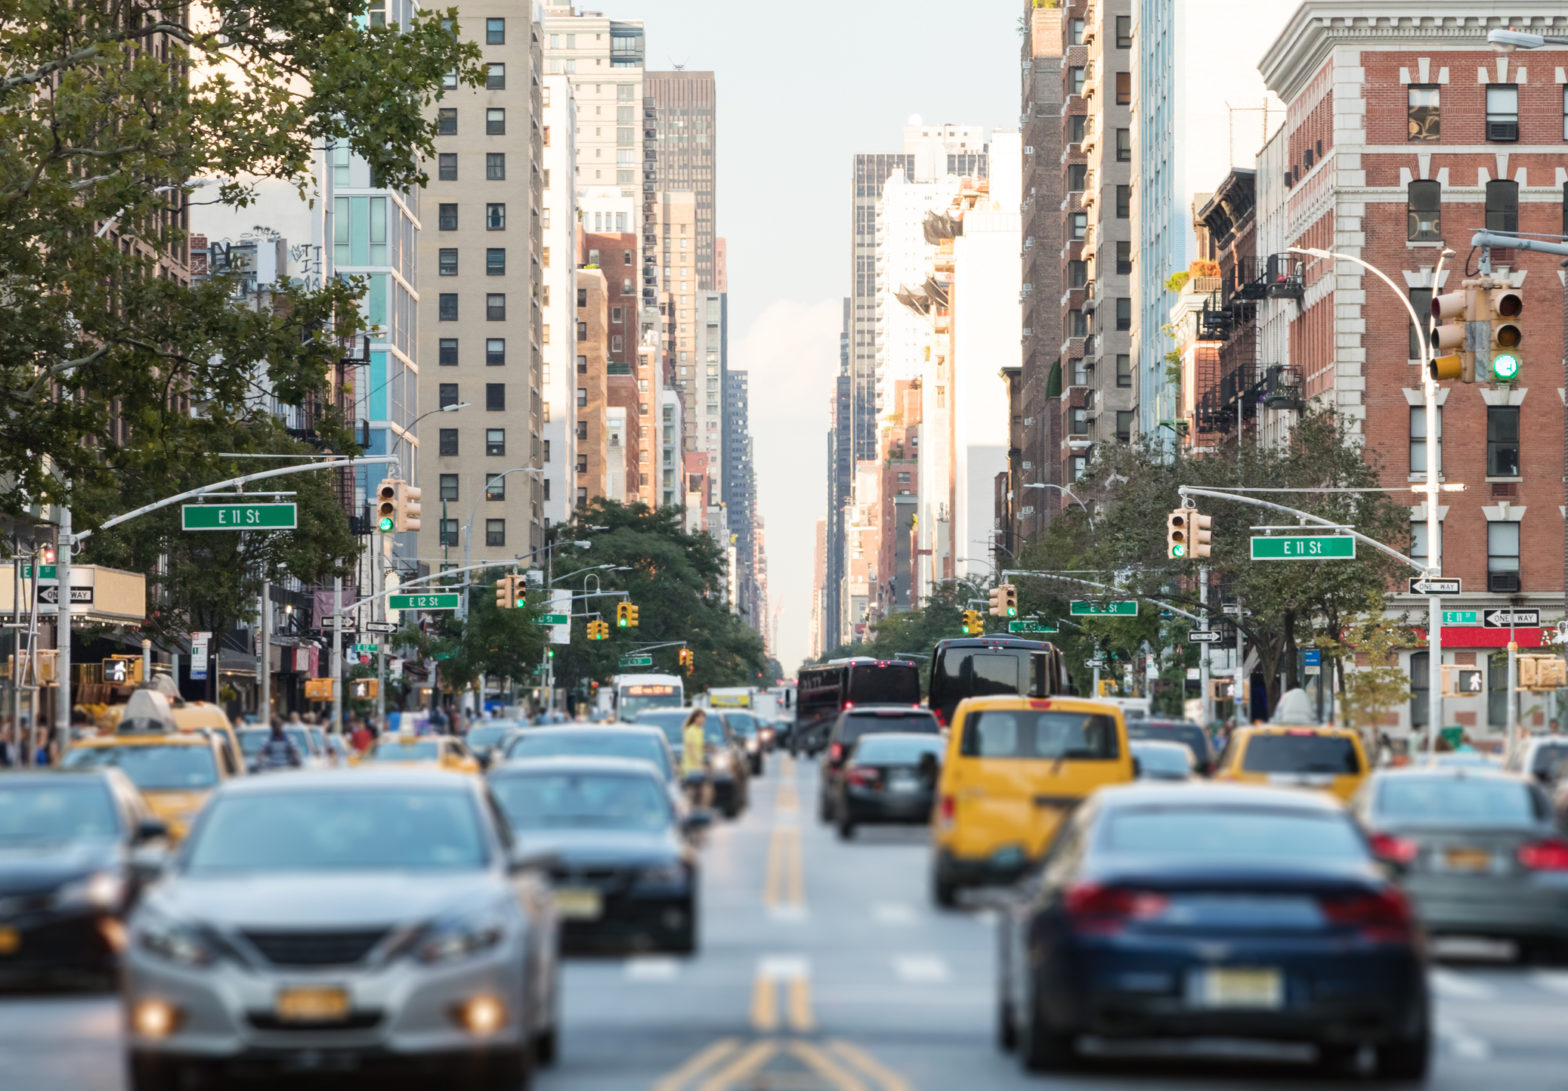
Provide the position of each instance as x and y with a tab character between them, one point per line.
984	666
821	693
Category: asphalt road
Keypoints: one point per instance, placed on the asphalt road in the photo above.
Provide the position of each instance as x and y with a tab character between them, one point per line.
823	967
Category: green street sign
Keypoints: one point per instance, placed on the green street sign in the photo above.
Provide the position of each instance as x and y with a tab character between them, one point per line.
423	602
46	572
637	661
442	655
1123	608
1317	547
555	619
1461	617
239	517
366	647
1029	627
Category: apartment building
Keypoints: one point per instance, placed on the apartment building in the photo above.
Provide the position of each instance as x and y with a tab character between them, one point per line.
558	301
591	422
685	144
677	257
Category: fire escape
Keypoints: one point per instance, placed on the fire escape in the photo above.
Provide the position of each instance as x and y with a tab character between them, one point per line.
1233	382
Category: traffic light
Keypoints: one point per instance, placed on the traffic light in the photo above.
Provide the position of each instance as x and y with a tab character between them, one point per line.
623	614
386	505
688	660
519	592
48	554
598	630
1009	600
1178	533
1507	305
1201	532
503	593
995	597
407	517
974	625
633	614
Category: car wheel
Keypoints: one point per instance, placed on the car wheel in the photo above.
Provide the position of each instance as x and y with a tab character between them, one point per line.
824	809
546	1047
943	890
1406	1058
148	1073
1337	1058
1042	1047
509	1070
1006	1026
846	829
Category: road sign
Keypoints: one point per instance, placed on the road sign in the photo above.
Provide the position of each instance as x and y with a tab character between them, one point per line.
371	648
1317	547
50	595
1461	617
1204	636
1427	585
1029	627
1123	608
636	660
1312	657
239	517
47	572
379	627
423	602
555	619
1492	619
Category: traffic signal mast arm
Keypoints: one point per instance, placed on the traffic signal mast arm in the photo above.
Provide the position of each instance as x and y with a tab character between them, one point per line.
1188	491
1009	573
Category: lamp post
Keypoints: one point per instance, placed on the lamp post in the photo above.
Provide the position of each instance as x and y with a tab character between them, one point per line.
1065	491
1434	568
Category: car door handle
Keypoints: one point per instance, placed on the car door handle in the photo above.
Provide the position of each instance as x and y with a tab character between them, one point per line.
1055	801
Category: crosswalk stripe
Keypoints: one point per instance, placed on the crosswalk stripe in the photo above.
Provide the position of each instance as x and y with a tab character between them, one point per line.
923	969
1457	987
652	968
893	913
1462	1042
1553	981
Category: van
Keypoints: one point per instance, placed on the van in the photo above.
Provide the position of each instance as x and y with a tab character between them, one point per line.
1327	758
1015	768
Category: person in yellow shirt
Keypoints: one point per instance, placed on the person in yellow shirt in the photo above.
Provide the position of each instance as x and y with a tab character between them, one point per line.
694	756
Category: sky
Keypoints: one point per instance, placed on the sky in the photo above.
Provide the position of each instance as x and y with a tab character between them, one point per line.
801	89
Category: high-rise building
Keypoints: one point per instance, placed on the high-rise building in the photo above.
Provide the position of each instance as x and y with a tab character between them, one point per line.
558	304
485	269
677	212
841	463
591	383
684	144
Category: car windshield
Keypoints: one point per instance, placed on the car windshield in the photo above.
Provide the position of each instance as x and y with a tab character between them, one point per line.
1307	752
1026	733
590	742
889	683
603	801
406	750
1167	759
1191	735
669	722
979	672
60	811
251	742
1548	757
910	721
742	723
1219	833
338	830
153	768
897	749
1457	800
487	735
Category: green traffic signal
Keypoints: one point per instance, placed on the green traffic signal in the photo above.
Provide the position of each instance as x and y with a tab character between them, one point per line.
1178	550
1012	611
1505	367
386	524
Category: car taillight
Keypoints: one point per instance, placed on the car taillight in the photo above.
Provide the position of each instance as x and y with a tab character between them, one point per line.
1383	917
1544	856
949	809
1104	910
862	778
1395	850
941	717
849	704
835	752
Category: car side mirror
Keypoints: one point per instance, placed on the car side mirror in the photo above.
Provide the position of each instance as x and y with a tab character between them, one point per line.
526	860
150	829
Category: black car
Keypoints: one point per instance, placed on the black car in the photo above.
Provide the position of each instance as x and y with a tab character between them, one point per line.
727	772
888	778
1198	911
866	720
76	847
1189	734
488	739
748	729
623	867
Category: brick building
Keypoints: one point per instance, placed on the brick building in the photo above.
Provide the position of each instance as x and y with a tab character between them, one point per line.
1406	133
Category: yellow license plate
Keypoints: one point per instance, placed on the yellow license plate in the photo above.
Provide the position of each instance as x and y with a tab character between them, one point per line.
1240	988
312	1004
1468	860
10	941
579	905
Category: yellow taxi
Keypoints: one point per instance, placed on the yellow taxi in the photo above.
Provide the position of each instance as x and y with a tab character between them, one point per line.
174	771
1311	756
440	751
187	716
1015	767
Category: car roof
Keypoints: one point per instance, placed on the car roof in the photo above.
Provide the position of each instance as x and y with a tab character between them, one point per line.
192	737
1160	744
1165	721
1297	729
889	707
1449	772
925	738
571	763
992	642
1208	794
53	772
613	727
1014	701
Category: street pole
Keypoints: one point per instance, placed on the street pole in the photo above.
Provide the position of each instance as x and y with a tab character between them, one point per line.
62	712
264	657
337	654
1203	667
146	660
1512	719
1239	684
380	612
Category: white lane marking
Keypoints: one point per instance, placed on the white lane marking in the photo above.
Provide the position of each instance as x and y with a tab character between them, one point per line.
789	914
986	916
1455	987
921	969
893	913
783	967
1463	1043
1553	981
652	968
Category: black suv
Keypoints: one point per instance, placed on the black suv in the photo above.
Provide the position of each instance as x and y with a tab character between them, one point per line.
866	720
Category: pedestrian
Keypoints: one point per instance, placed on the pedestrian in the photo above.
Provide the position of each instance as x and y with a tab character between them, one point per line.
360	738
694	756
48	751
10	753
279	751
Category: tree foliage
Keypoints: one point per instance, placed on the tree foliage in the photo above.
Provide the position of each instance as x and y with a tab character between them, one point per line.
1378	684
489	643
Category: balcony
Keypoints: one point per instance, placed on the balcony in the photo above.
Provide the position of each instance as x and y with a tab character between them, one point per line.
1286	276
1282	387
1215	320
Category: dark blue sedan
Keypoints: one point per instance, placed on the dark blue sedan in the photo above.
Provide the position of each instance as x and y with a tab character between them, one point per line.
1214	911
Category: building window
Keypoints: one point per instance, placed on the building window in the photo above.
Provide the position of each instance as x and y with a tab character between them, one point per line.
448	441
1422	110
495	351
495	77
1123	313
446	166
446	395
1424	205
495	166
1077	175
1123	202
1502	205
1075	80
1077	324
582	495
495	121
1080	224
495	307
1418	541
1077	125
582	395
495	532
447	352
1075	31
495	217
1124	88
1421	300
1502	112
1418	444
1079	421
448	490
582	464
1124	32
446	261
495	441
582	430
1077	274
1502	441
449	532
1123	369
495	262
1124	425
1565	113
446	121
495	487
446	305
495	32
1124	145
1502	556
1420	706
446	217
495	397
1123	258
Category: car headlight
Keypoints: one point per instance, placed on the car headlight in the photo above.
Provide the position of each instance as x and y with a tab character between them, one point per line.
453	938
670	874
720	759
176	942
751	745
100	890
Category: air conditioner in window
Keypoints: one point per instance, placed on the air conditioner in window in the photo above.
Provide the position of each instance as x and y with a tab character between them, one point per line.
1502	583
1029	150
1427	228
1502	130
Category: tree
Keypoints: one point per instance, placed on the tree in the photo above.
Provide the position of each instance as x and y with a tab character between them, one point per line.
1377	684
489	643
107	109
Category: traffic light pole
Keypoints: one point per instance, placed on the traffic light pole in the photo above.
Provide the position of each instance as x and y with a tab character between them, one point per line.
1203	661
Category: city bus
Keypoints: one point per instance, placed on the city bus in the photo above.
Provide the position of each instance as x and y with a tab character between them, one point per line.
823	692
636	693
983	666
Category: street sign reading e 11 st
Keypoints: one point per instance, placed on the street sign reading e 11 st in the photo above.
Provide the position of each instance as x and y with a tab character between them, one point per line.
1027	626
1123	608
555	619
637	661
1316	547
1461	617
239	517
423	602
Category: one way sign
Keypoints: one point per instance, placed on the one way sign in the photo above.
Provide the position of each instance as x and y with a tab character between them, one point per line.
1204	636
1502	619
50	594
1434	585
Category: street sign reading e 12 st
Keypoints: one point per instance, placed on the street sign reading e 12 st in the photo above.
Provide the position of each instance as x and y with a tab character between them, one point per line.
1124	608
239	517
1316	547
423	602
1027	626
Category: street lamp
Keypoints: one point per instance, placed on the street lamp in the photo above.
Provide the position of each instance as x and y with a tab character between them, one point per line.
1506	41
473	510
196	183
453	408
1065	491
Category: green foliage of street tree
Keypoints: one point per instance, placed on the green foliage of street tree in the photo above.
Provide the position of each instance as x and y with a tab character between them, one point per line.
1378	684
491	643
112	372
